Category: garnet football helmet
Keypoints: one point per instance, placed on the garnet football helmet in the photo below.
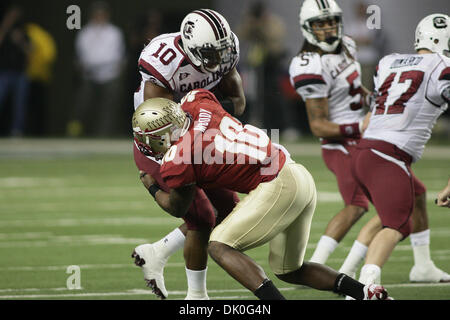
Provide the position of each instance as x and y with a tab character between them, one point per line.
207	39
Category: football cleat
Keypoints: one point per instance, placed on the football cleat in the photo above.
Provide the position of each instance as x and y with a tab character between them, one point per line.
428	274
146	257
197	297
375	292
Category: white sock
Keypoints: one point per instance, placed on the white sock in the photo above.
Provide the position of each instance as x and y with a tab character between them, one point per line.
370	273
170	243
354	258
196	280
325	247
420	243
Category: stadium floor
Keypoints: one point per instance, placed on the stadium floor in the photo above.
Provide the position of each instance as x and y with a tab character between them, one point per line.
80	203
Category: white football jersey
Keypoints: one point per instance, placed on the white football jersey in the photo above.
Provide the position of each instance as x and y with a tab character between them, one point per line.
333	76
412	92
164	63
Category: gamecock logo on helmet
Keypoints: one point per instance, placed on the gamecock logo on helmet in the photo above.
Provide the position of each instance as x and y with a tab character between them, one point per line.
187	31
440	22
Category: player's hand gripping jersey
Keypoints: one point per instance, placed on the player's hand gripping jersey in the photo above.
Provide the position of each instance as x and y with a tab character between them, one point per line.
164	63
217	151
332	76
412	92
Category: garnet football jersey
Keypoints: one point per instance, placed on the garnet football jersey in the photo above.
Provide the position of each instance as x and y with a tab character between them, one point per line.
164	63
333	76
217	151
412	91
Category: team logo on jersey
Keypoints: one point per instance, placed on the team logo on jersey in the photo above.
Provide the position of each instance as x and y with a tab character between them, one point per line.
184	75
440	22
187	30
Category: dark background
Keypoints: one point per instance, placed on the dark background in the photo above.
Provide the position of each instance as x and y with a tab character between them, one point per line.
52	16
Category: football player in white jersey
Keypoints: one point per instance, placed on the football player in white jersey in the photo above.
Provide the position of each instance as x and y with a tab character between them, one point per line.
204	54
327	76
413	90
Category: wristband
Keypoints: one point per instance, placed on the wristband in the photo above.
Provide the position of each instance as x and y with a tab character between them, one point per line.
350	130
153	189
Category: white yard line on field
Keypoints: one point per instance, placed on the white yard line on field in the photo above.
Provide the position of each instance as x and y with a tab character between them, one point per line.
180	292
437	255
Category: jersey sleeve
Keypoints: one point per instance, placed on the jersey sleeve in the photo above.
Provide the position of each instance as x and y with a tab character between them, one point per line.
350	44
175	170
439	87
152	67
307	77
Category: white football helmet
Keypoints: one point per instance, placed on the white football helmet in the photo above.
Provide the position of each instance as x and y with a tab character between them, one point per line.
315	10
433	33
207	39
155	124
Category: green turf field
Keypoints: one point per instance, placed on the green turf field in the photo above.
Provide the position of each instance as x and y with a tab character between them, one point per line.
65	202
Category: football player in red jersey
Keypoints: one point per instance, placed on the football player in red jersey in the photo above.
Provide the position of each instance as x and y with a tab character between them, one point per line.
204	54
207	148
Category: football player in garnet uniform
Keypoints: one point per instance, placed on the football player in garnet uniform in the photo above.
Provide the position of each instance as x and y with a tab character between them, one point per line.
326	74
413	90
204	54
207	148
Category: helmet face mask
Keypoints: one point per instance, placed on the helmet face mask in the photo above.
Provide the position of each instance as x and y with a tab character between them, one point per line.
326	29
317	19
207	40
433	34
156	124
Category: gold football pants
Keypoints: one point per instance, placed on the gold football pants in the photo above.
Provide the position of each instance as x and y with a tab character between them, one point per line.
279	212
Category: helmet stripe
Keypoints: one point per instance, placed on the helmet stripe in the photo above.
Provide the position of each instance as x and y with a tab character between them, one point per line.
204	16
323	4
216	23
220	21
318	4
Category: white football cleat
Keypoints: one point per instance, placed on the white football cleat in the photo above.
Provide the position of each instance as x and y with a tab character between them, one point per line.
375	292
428	273
197	297
152	265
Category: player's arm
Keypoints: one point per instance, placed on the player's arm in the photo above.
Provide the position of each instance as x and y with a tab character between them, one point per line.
317	110
231	88
176	202
152	90
366	121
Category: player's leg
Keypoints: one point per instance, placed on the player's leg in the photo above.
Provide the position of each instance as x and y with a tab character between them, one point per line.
287	251
200	220
375	170
257	219
424	269
196	259
356	204
336	229
358	250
